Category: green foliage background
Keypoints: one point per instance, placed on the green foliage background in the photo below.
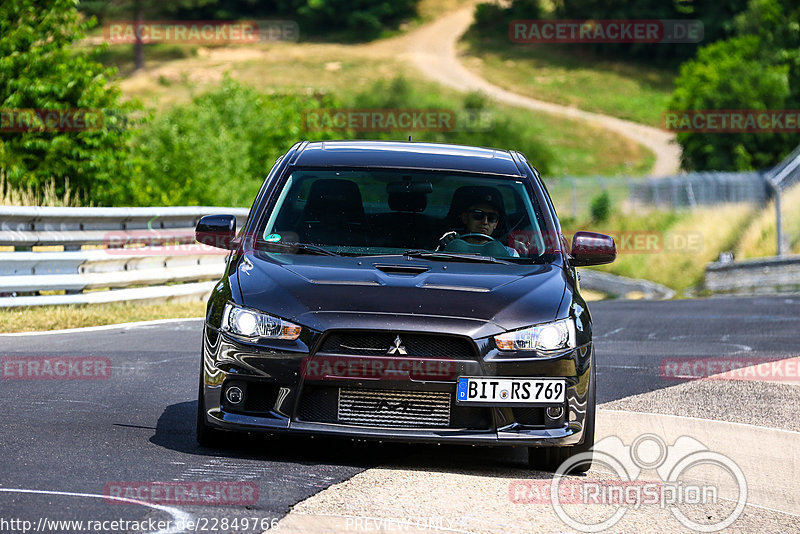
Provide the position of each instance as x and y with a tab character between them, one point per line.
38	70
354	20
218	149
757	69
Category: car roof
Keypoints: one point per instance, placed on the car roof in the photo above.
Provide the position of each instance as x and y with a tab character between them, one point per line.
406	155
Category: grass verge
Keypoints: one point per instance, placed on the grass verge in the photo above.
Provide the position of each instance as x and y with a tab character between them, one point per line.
75	316
760	237
671	248
347	70
572	76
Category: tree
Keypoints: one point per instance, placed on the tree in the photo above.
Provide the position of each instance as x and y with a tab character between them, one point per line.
759	69
40	71
140	12
717	19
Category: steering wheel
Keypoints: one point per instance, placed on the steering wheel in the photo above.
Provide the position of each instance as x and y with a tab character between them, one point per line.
452	235
484	237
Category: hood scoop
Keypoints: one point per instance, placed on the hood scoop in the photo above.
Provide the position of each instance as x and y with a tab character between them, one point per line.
409	270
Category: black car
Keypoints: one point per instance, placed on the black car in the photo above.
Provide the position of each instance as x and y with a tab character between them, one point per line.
402	291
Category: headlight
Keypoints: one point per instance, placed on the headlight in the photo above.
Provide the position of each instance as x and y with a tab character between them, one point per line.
544	337
251	323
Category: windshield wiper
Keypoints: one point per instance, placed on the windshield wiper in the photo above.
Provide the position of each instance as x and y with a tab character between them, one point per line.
451	256
298	248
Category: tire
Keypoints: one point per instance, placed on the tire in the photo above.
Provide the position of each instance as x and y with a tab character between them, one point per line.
550	458
206	435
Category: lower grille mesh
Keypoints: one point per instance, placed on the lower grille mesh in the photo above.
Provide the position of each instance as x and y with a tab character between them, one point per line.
400	409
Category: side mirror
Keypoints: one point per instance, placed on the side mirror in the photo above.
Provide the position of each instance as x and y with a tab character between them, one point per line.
589	248
216	231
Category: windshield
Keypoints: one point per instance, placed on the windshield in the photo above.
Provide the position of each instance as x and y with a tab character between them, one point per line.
381	212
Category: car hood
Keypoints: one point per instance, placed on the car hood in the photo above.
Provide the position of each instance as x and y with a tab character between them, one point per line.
392	292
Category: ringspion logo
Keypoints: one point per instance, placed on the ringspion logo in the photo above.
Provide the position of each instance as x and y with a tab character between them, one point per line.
677	488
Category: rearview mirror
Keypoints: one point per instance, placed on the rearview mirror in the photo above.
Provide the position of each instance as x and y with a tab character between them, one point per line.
590	248
409	187
216	231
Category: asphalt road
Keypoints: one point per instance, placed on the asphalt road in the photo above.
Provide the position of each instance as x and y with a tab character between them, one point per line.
79	436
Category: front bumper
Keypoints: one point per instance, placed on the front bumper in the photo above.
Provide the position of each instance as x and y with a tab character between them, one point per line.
277	374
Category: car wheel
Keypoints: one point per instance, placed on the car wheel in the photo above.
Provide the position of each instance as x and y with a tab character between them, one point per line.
207	436
550	458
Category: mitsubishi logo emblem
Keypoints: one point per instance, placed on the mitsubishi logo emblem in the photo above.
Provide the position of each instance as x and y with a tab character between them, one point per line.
398	347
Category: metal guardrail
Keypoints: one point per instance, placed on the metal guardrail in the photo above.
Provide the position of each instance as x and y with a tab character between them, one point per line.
132	252
622	286
787	172
762	275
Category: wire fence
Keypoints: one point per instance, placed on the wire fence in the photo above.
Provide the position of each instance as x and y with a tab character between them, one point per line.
573	196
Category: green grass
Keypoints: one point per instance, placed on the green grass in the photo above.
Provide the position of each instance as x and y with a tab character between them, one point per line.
121	55
759	239
572	76
685	242
346	70
74	316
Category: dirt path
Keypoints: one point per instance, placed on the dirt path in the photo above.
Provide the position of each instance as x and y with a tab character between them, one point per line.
432	49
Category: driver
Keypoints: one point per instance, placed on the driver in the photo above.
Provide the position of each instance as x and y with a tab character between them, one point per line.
482	211
482	219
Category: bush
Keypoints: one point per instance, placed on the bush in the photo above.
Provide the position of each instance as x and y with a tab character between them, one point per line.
717	19
759	69
218	149
357	19
491	19
40	70
478	123
600	207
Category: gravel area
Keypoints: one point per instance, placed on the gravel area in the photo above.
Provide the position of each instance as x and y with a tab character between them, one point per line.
738	401
481	502
460	490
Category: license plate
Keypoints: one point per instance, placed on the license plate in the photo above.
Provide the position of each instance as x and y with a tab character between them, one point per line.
510	391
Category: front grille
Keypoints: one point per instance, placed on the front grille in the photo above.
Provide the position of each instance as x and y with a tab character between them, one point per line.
394	408
320	404
380	343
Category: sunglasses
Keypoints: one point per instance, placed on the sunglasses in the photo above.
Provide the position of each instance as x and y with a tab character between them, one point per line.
479	215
